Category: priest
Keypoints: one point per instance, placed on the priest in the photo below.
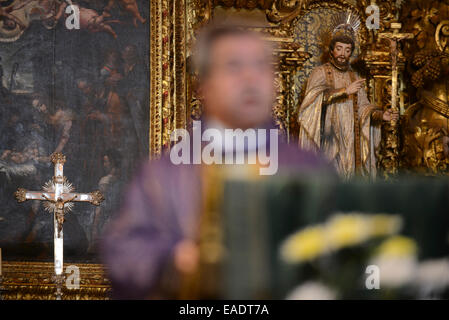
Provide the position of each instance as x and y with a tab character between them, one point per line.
153	247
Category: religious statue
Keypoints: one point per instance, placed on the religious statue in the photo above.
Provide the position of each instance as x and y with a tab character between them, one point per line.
336	116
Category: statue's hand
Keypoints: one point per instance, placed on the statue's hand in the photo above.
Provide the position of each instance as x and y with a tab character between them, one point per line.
354	87
390	116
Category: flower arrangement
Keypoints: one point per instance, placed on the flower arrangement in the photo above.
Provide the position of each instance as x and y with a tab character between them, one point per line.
342	230
332	260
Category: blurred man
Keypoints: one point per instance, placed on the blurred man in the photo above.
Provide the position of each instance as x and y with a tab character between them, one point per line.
153	243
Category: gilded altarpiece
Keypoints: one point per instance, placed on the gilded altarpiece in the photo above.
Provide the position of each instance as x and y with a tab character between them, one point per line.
299	31
418	143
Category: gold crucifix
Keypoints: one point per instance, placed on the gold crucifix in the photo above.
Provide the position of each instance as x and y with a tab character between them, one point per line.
394	38
59	197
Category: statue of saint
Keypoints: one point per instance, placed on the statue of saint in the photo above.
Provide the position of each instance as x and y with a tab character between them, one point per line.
336	116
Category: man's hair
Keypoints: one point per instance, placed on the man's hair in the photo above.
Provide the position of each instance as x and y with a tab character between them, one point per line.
342	39
208	37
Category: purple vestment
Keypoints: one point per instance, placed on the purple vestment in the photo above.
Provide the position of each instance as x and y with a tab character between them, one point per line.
162	207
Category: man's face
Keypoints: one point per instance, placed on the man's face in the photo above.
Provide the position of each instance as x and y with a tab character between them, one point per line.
342	52
239	87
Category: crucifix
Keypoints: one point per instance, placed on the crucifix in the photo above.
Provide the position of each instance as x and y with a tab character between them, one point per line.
59	197
394	38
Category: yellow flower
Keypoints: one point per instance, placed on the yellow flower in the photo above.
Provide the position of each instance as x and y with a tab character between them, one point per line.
397	246
342	230
346	230
304	245
383	224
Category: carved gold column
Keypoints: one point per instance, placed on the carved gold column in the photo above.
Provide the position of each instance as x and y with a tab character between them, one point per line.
198	14
179	64
156	85
291	59
168	72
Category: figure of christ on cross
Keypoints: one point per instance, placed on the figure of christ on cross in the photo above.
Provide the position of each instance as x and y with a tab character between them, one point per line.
59	197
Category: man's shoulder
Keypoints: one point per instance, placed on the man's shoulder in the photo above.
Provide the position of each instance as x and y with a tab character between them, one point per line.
327	67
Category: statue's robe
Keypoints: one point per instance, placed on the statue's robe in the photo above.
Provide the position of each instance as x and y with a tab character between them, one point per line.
344	130
163	206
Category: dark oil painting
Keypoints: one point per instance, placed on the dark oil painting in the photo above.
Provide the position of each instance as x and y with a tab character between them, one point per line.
80	89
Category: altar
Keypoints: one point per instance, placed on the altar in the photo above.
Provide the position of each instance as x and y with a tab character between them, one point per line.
34	281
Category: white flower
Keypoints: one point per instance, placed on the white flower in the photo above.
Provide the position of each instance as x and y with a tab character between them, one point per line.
432	275
397	262
312	291
395	271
